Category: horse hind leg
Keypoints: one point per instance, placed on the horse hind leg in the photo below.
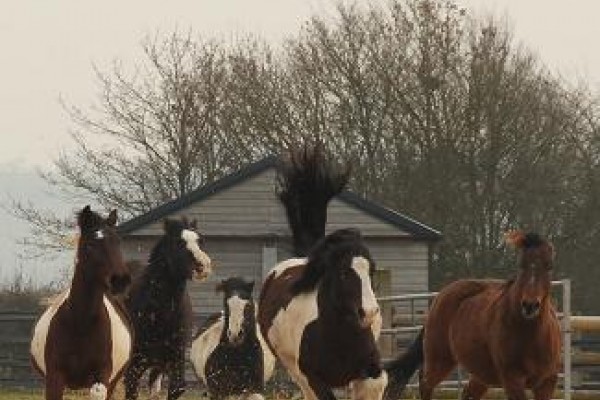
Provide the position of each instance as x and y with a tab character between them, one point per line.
474	390
432	375
155	381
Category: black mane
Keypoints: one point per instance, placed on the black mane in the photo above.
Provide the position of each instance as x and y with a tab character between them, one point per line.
307	182
330	254
532	240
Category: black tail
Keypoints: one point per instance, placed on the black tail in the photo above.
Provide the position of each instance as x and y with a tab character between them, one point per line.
403	368
307	181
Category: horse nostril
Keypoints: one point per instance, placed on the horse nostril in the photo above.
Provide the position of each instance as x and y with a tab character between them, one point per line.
530	308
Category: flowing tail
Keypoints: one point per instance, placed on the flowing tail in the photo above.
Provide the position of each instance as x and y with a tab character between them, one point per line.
308	180
403	368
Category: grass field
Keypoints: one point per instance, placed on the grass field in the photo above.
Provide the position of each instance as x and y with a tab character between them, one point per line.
10	394
37	394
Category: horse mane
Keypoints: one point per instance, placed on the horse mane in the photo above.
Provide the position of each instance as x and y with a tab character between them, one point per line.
307	181
521	240
332	252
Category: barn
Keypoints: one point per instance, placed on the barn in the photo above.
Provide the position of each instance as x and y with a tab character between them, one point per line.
246	233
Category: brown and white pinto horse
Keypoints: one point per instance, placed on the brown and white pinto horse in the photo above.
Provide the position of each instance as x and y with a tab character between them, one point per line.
318	313
84	340
504	333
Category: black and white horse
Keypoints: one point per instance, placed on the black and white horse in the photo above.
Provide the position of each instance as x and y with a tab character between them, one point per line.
318	313
230	356
84	339
160	307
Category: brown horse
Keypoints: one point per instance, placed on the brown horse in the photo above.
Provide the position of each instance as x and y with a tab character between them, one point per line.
84	340
504	333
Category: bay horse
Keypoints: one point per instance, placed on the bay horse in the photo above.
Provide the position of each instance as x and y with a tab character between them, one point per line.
160	307
84	338
318	312
230	356
504	333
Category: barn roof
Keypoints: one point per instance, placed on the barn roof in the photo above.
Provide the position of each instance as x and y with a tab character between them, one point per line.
416	229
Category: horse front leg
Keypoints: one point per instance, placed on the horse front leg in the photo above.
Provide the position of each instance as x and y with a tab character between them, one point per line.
369	388
474	390
133	373
55	387
514	387
176	379
545	389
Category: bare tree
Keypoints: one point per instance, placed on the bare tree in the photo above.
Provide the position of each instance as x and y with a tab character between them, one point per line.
441	116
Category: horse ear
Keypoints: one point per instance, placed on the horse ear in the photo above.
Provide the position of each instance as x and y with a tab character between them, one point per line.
169	226
112	218
515	238
84	218
185	221
220	286
194	224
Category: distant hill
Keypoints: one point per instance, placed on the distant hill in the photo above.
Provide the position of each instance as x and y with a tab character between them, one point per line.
24	184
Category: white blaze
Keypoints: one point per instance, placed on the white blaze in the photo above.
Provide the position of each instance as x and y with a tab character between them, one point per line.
236	316
369	301
191	243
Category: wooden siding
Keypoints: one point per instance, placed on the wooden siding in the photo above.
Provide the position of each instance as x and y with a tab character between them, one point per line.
407	260
251	208
231	257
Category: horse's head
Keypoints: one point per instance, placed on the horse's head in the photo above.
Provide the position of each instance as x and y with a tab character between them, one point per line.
99	251
533	281
180	247
347	267
239	308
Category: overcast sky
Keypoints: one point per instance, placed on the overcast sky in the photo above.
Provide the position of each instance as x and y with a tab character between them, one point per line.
47	49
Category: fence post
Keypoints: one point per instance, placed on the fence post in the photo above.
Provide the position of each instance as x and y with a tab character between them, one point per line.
567	359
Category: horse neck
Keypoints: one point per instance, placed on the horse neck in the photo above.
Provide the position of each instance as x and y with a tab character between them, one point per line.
332	322
162	288
86	296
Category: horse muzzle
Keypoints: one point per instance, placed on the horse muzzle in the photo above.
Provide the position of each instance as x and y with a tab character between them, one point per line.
201	272
530	309
119	283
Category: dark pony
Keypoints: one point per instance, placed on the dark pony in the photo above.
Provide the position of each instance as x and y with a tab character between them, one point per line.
160	307
504	333
84	339
230	356
318	313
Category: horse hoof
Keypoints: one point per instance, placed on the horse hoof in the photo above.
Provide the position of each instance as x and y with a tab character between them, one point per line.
98	392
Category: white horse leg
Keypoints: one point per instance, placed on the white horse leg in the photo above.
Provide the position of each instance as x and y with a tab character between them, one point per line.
368	389
98	392
156	388
255	396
